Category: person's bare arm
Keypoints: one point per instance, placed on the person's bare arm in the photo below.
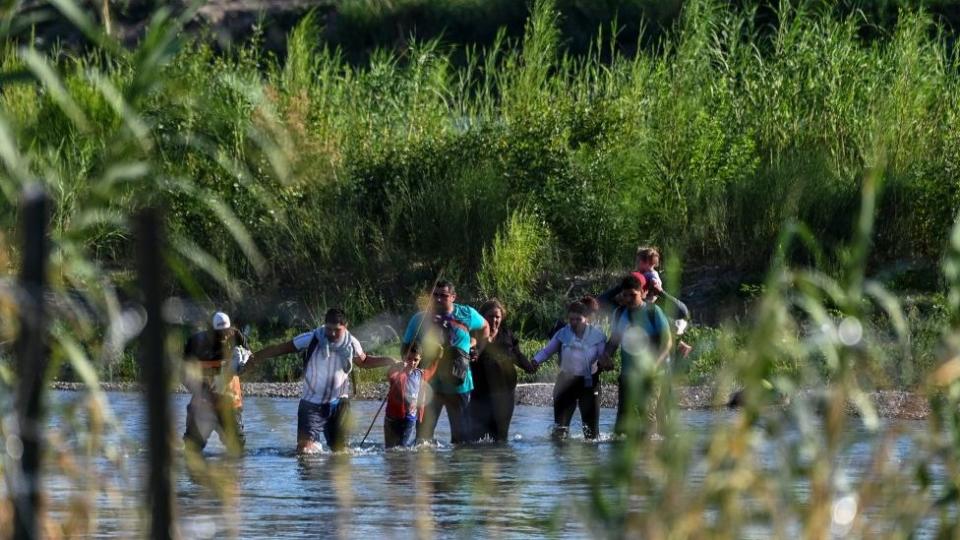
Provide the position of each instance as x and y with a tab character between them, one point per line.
665	347
367	361
482	336
279	349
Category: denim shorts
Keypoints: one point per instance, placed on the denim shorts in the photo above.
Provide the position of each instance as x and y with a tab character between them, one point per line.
327	420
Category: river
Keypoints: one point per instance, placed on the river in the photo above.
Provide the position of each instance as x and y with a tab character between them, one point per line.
528	488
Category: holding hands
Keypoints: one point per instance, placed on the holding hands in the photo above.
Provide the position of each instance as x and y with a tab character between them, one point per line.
605	363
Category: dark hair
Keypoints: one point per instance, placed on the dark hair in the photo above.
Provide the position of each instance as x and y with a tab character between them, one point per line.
335	316
633	282
445	284
592	305
491	305
413	347
579	308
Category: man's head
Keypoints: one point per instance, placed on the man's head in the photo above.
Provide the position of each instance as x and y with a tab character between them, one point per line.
633	290
411	359
444	294
221	321
334	324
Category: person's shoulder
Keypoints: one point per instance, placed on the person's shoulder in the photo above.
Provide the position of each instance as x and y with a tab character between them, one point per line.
199	336
657	313
463	312
565	335
354	342
596	333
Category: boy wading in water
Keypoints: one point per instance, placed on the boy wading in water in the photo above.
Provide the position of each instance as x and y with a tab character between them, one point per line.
212	360
642	334
443	332
330	352
400	419
579	345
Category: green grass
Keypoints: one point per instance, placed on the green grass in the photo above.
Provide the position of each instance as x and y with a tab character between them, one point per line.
800	151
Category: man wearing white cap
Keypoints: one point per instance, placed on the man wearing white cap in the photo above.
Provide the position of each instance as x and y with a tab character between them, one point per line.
212	361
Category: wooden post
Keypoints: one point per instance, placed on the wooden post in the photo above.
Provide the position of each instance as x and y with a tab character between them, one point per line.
155	373
31	351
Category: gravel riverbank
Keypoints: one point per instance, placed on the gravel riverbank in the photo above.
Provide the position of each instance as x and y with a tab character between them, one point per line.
889	403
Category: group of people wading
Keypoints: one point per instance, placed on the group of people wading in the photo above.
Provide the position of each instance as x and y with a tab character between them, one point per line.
454	357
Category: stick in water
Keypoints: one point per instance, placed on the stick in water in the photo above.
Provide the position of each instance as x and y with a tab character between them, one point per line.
374	421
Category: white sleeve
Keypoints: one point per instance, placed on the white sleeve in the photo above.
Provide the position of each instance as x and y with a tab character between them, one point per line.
357	348
302	341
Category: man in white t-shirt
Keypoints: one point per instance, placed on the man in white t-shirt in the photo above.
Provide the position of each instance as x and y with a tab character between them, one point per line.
330	353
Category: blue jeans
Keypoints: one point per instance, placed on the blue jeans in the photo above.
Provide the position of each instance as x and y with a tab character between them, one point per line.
399	431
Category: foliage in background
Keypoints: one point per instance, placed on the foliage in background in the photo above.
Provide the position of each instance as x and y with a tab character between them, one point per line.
364	182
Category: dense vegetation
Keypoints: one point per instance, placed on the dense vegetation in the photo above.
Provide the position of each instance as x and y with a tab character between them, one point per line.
816	151
504	166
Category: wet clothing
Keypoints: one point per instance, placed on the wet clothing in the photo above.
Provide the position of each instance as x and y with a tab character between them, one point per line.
328	365
445	346
571	392
443	339
211	354
324	422
404	392
640	331
494	386
212	360
203	419
578	354
400	418
578	383
457	406
399	432
642	328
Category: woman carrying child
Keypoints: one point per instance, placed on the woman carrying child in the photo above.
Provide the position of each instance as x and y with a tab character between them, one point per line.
579	345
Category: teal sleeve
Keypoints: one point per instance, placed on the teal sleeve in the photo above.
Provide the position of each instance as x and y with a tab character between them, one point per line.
476	320
663	325
413	328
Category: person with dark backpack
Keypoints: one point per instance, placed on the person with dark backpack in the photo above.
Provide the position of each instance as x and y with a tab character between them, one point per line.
212	361
329	354
642	333
444	332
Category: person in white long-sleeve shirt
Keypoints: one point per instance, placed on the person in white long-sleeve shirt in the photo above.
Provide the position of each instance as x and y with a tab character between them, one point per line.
579	346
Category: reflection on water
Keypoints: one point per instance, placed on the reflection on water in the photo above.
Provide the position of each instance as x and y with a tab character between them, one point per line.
527	488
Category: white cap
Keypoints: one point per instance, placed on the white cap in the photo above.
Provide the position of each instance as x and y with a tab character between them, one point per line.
221	321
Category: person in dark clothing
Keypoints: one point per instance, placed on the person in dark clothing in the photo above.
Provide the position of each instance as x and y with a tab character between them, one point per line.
212	361
495	377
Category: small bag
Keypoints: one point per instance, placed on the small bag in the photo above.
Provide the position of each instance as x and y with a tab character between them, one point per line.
459	365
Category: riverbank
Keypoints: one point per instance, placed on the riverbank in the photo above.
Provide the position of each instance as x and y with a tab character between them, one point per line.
888	403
